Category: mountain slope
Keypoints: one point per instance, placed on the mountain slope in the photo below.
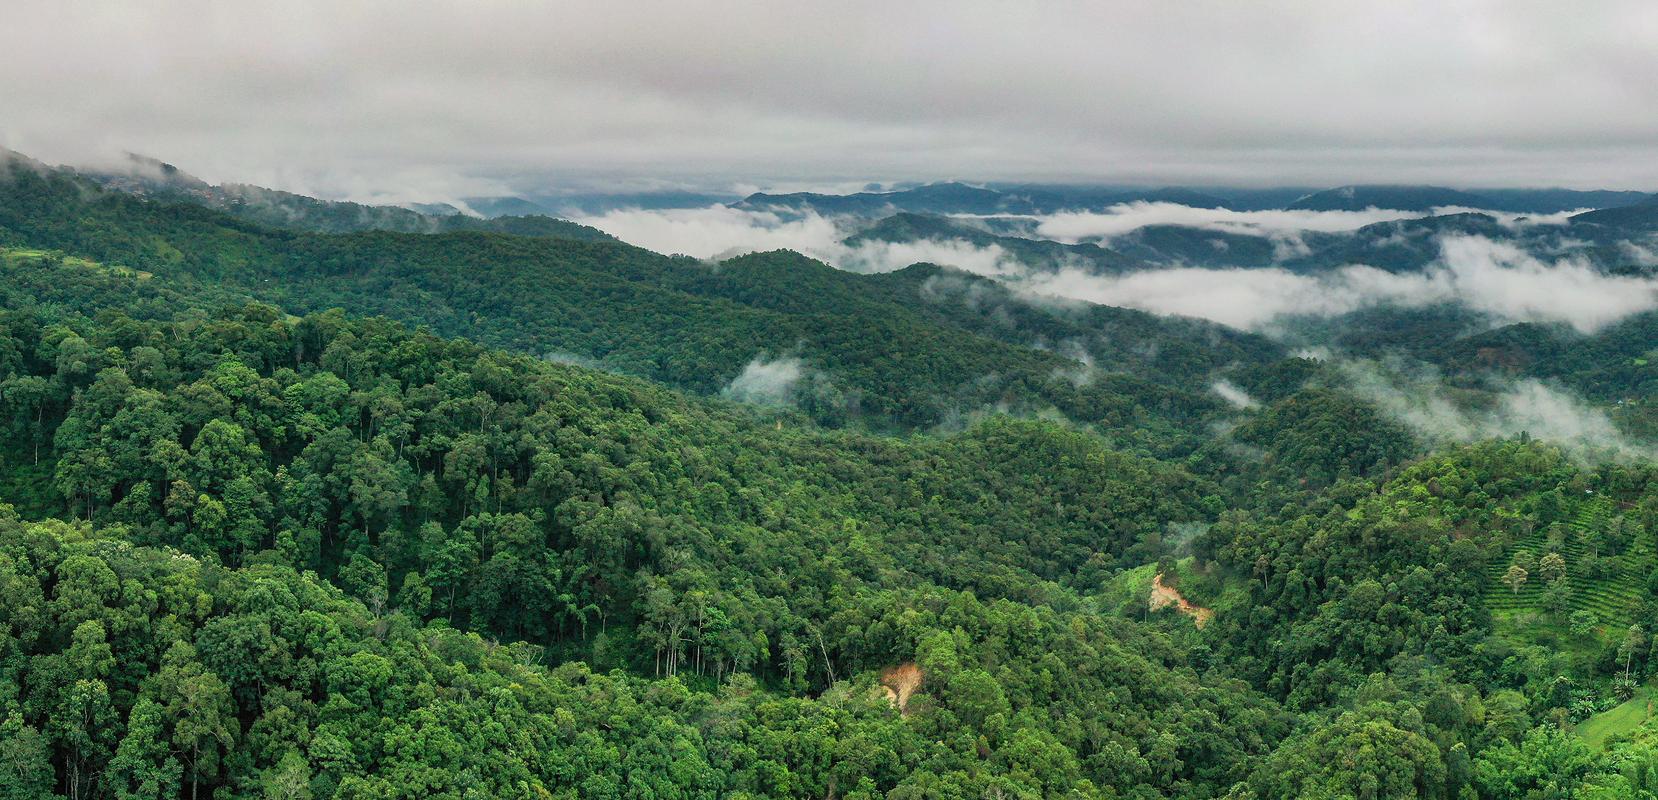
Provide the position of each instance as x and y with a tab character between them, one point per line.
144	176
1554	201
1640	217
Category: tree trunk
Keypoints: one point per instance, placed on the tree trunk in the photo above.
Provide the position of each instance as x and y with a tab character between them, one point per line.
825	650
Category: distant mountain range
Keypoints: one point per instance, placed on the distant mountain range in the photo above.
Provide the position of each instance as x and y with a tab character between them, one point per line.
1427	198
143	175
1017	199
1601	238
1638	217
906	348
940	212
907	227
1402	198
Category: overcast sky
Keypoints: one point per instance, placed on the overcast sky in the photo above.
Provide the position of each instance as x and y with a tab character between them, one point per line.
431	100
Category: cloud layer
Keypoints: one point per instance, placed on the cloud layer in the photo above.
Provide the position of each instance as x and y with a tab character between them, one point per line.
1127	217
1117	220
1491	277
1495	278
719	232
342	98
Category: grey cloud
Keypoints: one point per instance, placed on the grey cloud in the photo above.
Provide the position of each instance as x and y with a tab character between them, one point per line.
432	99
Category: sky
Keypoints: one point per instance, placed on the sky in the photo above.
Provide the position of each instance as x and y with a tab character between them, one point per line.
438	100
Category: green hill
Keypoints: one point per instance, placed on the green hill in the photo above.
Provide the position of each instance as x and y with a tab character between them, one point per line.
898	360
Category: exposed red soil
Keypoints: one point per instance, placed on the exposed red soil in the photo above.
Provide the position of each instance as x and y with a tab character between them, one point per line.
1163	596
900	682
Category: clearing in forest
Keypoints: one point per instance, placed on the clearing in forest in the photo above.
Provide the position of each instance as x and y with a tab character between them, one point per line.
18	255
1163	596
900	682
1624	718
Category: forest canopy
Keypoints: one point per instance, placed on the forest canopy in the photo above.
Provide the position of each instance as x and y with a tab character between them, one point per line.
287	513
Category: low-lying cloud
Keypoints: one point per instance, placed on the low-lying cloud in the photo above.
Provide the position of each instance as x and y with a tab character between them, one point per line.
1643	255
1417	398
1495	278
717	231
1513	220
1117	220
720	232
1233	394
1492	277
876	256
1508	283
767	382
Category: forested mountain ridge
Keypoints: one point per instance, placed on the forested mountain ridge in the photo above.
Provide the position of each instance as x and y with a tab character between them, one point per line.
671	319
274	208
1403	198
991	199
1642	216
1611	240
595	516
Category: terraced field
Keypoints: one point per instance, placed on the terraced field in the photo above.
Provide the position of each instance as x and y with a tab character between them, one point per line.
1612	599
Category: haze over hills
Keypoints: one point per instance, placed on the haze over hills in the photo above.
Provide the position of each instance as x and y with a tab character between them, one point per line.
528	295
1010	250
145	176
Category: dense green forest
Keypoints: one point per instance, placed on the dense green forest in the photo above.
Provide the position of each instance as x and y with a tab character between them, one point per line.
290	514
